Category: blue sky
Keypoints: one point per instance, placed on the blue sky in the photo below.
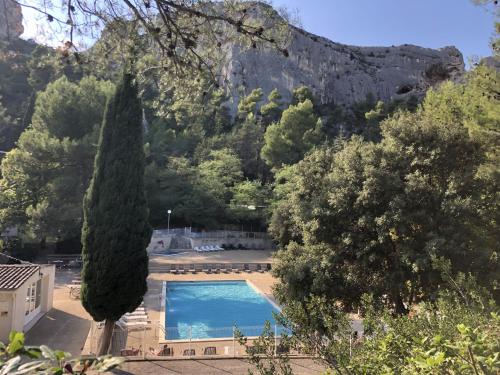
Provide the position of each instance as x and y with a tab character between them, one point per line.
427	23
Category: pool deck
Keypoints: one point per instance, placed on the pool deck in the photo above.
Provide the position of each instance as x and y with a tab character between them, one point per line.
227	256
152	339
67	325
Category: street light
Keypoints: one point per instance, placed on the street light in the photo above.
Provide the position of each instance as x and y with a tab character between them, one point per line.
168	221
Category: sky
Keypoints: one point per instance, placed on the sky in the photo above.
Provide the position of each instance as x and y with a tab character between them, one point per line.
427	23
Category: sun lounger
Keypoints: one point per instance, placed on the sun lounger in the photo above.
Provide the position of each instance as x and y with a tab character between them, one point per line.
180	269
130	326
134	318
192	268
207	268
226	268
235	268
197	249
246	268
217	267
198	268
188	352
253	267
218	248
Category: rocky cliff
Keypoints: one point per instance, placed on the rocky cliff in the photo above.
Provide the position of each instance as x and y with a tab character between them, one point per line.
336	73
11	20
342	74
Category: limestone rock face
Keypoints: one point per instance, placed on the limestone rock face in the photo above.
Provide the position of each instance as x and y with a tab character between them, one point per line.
11	20
341	74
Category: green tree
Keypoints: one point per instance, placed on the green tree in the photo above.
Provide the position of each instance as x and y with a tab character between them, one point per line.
298	131
271	111
248	105
301	94
221	172
115	231
176	187
247	139
8	129
45	177
249	202
373	216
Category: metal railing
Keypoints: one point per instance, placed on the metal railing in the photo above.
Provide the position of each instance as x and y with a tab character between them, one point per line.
216	234
154	340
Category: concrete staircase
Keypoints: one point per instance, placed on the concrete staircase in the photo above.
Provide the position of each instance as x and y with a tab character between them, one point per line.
180	243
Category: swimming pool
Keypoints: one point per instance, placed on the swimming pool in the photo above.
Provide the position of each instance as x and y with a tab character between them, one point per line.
203	310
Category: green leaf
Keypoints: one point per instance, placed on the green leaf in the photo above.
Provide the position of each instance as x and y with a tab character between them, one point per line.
48	353
10	365
60	355
16	342
31	366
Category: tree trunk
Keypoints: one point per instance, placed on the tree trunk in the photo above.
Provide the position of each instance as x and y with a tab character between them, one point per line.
399	307
106	336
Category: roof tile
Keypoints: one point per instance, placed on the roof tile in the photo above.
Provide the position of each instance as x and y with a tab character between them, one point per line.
12	276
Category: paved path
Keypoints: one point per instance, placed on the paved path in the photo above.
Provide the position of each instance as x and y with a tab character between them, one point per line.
67	325
209	367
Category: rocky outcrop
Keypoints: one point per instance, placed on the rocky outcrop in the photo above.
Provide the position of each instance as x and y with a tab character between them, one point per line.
341	74
11	20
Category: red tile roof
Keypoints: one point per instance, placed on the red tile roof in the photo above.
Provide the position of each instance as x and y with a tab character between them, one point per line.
12	276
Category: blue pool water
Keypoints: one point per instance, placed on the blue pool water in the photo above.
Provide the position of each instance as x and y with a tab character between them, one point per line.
211	309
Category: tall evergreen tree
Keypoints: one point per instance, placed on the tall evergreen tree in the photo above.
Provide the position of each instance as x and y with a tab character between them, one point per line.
116	231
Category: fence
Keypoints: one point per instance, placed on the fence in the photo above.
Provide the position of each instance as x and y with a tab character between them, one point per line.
216	234
154	340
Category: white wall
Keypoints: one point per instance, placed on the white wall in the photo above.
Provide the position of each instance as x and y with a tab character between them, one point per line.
14	301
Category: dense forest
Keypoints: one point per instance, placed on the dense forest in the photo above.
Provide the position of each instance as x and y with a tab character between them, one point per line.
206	164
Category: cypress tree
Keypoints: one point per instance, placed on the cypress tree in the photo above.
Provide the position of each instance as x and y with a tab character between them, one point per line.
116	231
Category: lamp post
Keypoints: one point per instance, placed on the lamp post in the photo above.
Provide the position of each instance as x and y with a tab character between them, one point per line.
168	221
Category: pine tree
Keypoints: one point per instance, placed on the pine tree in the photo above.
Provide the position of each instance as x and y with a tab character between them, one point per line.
116	231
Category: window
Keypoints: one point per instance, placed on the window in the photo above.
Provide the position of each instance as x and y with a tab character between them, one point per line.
33	297
38	293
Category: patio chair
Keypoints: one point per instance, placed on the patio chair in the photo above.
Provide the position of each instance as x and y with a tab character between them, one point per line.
282	349
210	350
207	268
129	352
246	268
165	351
236	268
189	352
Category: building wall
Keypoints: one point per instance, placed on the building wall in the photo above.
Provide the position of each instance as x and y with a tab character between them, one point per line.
6	313
16	304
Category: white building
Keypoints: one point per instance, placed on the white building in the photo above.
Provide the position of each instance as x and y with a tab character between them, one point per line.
26	292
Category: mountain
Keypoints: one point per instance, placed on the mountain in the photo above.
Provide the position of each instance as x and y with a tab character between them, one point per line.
341	74
336	73
11	20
